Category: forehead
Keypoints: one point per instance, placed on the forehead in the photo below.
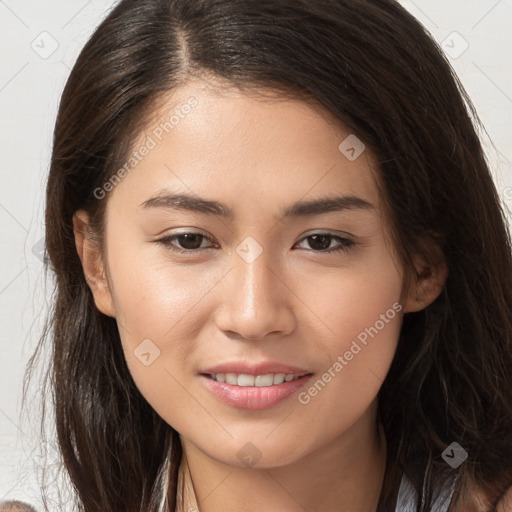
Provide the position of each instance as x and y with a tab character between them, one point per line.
204	138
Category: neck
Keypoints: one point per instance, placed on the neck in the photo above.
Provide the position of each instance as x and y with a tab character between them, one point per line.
344	474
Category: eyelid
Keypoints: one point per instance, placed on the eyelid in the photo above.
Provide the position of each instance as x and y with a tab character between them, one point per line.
332	232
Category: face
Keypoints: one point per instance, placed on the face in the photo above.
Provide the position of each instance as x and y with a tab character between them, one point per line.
246	273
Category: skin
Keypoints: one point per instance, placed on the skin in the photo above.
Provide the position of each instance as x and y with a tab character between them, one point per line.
293	304
16	506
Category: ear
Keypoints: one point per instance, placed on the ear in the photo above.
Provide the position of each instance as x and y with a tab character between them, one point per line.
427	287
92	263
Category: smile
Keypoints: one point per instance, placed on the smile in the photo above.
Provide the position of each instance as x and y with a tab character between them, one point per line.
243	379
253	392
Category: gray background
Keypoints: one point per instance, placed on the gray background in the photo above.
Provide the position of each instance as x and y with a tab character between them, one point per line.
39	42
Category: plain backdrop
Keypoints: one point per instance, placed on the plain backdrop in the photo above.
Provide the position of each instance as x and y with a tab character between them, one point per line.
39	42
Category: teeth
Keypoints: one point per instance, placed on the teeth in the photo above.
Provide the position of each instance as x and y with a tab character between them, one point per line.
231	378
242	379
279	378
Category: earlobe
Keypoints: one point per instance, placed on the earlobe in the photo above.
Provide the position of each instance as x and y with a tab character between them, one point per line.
427	287
92	263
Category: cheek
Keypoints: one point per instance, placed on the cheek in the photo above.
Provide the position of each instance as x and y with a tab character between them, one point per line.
156	299
355	359
362	316
160	310
351	300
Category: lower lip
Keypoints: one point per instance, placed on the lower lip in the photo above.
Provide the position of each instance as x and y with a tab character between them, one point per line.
251	397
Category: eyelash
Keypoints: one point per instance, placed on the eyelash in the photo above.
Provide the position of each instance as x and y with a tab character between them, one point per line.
345	243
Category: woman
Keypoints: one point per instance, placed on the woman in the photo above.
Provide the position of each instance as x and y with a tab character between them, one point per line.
208	352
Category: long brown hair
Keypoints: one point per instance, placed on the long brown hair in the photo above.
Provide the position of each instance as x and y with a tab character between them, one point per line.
372	65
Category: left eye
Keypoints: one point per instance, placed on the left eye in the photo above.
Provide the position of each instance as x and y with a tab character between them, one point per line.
319	242
323	241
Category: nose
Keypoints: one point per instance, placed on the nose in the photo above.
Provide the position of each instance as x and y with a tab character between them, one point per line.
256	300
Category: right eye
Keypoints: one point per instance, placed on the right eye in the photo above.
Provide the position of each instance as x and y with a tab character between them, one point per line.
189	241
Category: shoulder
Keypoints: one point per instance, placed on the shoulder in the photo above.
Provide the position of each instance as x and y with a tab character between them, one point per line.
478	501
16	506
505	504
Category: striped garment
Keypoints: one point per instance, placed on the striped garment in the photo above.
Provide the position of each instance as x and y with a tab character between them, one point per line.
407	496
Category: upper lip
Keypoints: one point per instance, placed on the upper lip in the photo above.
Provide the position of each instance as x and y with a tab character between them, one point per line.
263	368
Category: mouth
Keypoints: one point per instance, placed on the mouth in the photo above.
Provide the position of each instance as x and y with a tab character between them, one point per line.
253	392
246	380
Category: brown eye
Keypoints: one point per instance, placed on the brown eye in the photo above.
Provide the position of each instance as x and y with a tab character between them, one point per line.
321	242
189	241
186	242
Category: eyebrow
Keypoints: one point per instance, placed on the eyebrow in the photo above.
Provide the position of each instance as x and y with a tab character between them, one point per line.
300	208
